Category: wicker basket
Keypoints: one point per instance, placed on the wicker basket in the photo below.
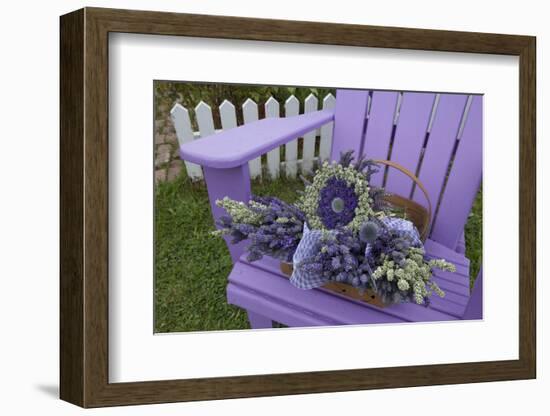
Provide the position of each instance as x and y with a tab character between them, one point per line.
342	289
416	213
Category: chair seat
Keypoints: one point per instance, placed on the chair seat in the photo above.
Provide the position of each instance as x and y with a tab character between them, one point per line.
261	287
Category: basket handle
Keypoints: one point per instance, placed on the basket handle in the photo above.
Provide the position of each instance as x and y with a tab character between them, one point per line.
418	183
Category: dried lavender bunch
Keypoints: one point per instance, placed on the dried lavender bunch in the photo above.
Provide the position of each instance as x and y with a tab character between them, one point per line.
410	281
338	256
368	167
401	271
391	242
362	163
273	227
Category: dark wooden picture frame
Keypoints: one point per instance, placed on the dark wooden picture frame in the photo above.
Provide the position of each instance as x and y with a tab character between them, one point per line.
84	207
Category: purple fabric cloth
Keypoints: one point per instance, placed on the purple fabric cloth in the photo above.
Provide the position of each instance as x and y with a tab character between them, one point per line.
308	246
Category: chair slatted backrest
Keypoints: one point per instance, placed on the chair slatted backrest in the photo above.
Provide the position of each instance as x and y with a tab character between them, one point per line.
436	136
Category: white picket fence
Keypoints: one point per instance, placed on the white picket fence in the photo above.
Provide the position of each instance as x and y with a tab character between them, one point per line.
275	167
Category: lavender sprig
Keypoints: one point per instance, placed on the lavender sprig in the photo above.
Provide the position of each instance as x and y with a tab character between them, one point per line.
272	226
339	256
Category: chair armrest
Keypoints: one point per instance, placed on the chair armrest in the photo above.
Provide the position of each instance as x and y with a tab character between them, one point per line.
235	147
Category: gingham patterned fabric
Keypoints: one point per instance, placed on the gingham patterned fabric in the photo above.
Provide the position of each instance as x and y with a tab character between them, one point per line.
306	248
405	228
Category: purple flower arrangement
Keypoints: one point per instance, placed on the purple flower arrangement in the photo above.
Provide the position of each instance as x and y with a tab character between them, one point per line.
272	226
337	203
340	230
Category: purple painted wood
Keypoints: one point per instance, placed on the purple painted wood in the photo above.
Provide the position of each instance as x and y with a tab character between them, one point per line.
379	129
260	287
450	295
349	121
440	146
233	183
410	133
265	287
445	306
441	309
460	278
279	311
474	310
461	245
453	285
235	147
258	321
435	249
463	182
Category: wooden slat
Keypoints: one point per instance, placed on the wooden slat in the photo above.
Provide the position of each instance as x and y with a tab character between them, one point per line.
461	277
463	182
284	313
313	300
184	132
379	129
250	114
410	133
228	115
440	146
434	111
310	105
273	156
205	120
453	292
237	146
315	303
437	250
454	285
349	120
292	108
326	131
445	306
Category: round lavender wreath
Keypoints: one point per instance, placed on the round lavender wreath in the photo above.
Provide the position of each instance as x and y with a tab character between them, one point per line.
337	197
337	203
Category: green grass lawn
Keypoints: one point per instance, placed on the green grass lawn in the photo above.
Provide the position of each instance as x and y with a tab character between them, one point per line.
191	265
473	237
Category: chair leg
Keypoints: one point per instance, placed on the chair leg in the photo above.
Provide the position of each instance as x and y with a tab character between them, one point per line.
258	321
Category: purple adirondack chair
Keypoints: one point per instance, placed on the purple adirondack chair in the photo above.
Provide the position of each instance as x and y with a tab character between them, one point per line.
265	293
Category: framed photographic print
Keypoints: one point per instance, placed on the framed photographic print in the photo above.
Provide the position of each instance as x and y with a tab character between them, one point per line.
255	207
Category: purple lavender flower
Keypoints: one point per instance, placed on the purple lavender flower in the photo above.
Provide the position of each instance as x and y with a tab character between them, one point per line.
395	243
338	256
337	203
271	237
